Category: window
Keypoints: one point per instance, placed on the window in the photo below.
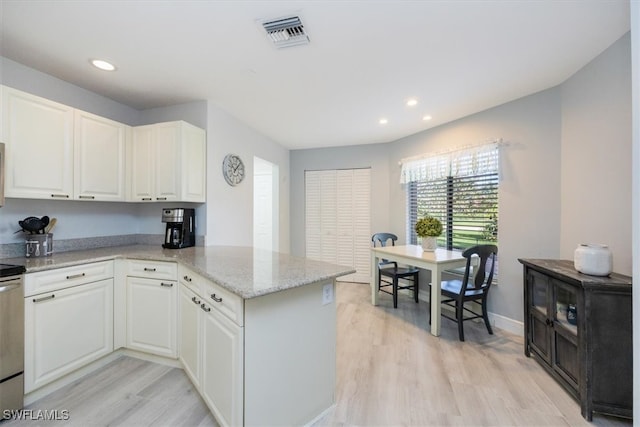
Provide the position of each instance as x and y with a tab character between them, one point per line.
460	189
467	207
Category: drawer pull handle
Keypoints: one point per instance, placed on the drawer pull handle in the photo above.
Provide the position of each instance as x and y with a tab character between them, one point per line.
166	285
60	196
213	297
149	269
187	278
205	308
52	296
144	199
161	198
87	197
196	300
75	276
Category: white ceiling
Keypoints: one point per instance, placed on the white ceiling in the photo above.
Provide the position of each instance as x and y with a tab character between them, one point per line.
365	59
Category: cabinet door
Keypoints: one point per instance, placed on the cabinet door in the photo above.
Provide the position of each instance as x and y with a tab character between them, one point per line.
564	358
167	161
65	330
38	134
539	337
151	315
222	367
193	165
143	164
99	146
189	333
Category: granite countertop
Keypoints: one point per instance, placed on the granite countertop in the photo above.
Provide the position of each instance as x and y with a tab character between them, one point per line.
245	271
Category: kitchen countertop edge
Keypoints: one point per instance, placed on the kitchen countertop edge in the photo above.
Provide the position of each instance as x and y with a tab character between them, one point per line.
209	262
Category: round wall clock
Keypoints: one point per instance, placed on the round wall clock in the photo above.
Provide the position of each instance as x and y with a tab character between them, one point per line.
233	169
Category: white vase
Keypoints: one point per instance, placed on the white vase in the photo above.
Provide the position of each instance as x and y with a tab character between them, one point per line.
429	243
593	259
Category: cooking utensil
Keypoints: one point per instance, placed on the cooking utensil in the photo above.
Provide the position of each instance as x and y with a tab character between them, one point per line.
52	223
34	225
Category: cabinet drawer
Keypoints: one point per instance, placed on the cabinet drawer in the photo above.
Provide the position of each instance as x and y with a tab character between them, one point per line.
152	269
226	302
60	278
191	280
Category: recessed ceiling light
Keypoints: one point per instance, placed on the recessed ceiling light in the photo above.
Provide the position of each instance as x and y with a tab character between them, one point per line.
412	102
383	121
426	118
103	65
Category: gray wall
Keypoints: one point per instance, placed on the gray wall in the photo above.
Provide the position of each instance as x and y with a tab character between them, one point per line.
230	209
596	156
537	171
529	191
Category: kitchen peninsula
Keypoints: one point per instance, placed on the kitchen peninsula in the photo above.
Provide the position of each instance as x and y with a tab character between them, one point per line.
254	330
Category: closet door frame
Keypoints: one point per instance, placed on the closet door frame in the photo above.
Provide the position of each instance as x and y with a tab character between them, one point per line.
338	219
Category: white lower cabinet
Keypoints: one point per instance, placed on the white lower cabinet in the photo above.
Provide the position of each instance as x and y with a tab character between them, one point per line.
268	360
66	329
189	333
151	316
222	366
212	345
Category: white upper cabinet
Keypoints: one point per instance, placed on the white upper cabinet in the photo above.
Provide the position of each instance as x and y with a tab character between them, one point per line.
100	149
168	163
143	163
38	134
54	151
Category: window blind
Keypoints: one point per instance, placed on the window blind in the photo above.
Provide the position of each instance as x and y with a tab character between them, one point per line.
466	200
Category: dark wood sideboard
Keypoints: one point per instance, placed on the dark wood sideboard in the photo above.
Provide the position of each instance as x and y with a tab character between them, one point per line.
589	351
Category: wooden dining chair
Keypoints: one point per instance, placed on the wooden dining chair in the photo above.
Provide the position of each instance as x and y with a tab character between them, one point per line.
391	270
474	287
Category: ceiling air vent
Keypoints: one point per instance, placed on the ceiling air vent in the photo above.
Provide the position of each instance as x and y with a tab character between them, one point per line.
285	32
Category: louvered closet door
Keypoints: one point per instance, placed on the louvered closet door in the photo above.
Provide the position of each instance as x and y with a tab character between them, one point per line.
328	217
362	225
337	219
345	219
312	206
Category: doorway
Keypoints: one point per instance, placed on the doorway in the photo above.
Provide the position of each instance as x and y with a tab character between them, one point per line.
266	202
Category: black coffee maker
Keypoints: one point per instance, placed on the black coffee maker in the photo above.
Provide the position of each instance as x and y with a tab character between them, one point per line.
181	228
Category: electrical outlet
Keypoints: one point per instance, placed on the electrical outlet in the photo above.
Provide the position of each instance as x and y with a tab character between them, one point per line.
327	294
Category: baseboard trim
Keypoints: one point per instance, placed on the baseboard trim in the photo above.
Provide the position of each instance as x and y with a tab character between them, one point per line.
320	416
162	360
507	324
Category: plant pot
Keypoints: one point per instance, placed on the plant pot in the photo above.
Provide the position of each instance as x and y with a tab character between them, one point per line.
429	243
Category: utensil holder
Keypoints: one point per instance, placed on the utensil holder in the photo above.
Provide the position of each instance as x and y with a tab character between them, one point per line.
39	245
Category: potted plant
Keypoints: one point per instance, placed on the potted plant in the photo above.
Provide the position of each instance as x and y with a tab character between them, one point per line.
428	228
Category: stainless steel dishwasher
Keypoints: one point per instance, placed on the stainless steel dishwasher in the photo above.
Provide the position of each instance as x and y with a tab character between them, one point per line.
11	337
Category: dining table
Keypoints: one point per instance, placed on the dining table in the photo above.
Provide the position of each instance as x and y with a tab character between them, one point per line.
435	261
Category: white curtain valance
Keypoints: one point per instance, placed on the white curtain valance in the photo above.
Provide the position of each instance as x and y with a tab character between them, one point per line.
469	161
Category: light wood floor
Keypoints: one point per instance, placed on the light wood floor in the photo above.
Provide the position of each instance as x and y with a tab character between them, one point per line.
391	372
126	392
